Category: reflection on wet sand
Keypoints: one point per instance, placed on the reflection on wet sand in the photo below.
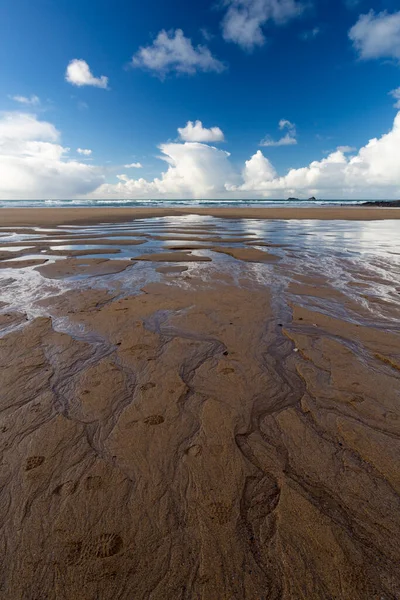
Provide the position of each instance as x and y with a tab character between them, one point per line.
222	426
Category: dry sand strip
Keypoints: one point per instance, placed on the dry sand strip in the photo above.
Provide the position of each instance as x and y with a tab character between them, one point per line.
172	257
89	267
215	239
172	269
70	216
21	264
53	242
247	254
83	252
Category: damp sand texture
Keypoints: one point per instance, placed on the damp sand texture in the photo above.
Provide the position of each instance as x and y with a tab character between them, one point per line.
215	429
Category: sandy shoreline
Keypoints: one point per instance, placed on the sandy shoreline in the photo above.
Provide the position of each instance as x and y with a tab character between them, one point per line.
62	216
211	428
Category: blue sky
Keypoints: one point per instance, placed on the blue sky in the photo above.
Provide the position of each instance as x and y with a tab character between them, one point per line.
262	62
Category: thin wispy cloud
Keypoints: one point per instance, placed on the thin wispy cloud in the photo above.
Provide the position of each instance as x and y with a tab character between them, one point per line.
78	73
289	139
396	95
28	101
346	149
84	151
172	52
352	4
311	34
136	165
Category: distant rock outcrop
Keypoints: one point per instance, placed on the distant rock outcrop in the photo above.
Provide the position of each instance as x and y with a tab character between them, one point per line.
384	203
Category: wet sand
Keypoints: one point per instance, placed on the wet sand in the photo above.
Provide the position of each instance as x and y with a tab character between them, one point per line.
62	216
225	430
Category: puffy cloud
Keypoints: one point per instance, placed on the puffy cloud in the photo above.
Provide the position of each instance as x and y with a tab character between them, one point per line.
396	95
78	73
32	101
195	132
84	151
33	163
136	165
374	172
171	52
195	170
244	19
17	128
257	170
377	35
289	139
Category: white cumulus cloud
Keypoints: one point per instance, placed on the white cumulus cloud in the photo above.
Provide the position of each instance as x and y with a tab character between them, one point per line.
289	139
171	52
195	132
34	165
377	35
32	100
373	172
84	151
136	165
257	170
78	73
244	19
195	170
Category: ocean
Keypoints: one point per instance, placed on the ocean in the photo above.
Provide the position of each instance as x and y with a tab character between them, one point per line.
172	203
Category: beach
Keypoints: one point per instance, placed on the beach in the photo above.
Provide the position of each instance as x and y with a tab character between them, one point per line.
200	403
60	216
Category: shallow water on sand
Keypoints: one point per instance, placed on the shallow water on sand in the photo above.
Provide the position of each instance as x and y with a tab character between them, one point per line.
359	259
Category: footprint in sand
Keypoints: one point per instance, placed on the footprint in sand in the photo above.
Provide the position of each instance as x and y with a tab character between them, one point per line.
227	371
194	451
93	482
104	546
154	420
147	386
65	489
219	513
32	462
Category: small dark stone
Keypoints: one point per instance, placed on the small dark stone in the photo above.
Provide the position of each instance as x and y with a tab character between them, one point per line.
280	325
225	353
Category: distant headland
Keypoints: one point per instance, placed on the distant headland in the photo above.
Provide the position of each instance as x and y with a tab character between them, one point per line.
383	203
